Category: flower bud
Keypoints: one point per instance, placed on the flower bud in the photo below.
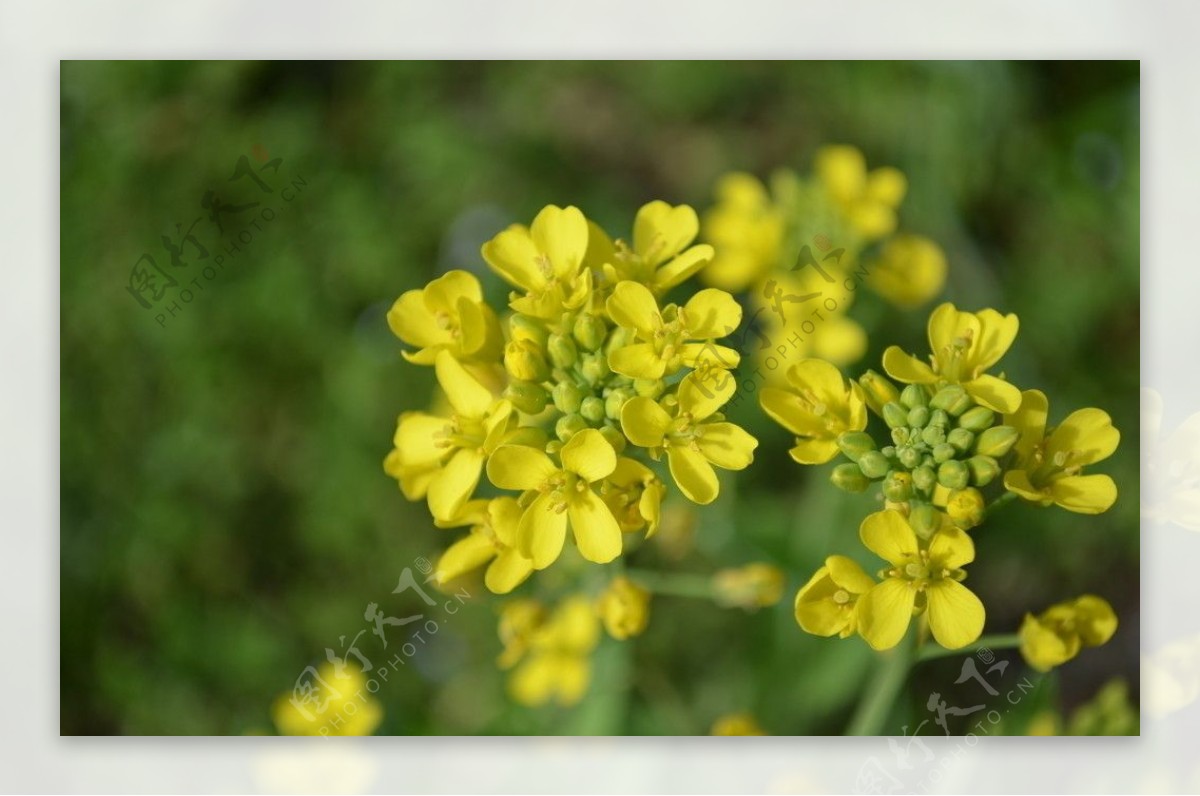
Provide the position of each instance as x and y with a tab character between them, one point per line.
615	401
527	397
855	443
524	361
914	395
965	507
589	331
649	388
961	439
877	391
909	457
614	437
873	465
624	608
897	487
888	451
900	435
918	416
567	397
924	478
592	409
984	470
563	352
977	419
594	368
997	441
939	418
933	436
943	452
952	474
849	477
524	327
923	519
895	415
568	426
952	399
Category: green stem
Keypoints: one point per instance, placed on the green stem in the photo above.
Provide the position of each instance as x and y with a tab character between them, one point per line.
1000	641
1000	502
673	584
876	704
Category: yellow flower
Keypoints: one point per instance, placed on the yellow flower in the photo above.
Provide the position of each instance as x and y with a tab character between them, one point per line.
1048	466
819	405
449	314
556	666
663	345
624	608
564	493
634	494
736	724
443	456
756	585
867	200
696	437
813	329
519	621
964	346
546	260
339	705
661	257
910	271
919	579
492	541
747	229
827	604
1058	633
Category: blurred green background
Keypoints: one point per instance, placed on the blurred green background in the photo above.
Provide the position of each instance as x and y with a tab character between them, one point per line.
225	517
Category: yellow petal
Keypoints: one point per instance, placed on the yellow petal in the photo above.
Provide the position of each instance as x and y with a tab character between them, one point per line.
994	393
411	321
1030	420
443	293
600	250
887	185
1096	622
1017	482
908	369
480	330
504	515
948	328
712	313
637	361
519	467
847	574
813	451
1084	494
661	231
1043	648
507	572
513	255
824	381
956	615
451	487
1087	434
996	335
885	611
467	554
597	534
693	474
793	413
951	548
418	437
633	306
562	235
542	531
589	455
682	268
842	170
815	612
888	535
726	445
644	422
468	397
703	356
701	397
840	340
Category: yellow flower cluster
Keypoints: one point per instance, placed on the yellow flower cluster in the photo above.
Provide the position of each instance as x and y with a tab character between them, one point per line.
347	708
562	399
959	440
841	221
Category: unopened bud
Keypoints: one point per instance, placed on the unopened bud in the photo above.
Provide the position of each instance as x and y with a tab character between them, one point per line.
914	395
614	437
877	391
649	388
524	327
592	408
918	416
897	487
923	518
527	397
909	457
849	477
997	441
977	419
615	402
961	439
984	470
944	452
873	464
523	360
952	474
895	415
933	436
939	418
567	397
594	368
855	443
924	478
568	426
953	399
589	331
965	507
563	352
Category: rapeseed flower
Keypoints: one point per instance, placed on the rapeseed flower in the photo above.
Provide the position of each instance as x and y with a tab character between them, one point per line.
448	314
1056	635
338	704
492	542
555	664
818	405
624	608
828	604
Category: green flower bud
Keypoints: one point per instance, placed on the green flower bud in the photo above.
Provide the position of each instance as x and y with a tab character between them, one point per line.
997	441
939	418
933	436
914	395
589	331
873	464
918	416
953	399
894	415
614	402
924	478
953	474
849	477
961	439
888	451
523	327
567	397
965	507
900	436
592	409
877	391
923	519
897	487
562	351
649	388
524	361
568	425
977	419
594	368
944	452
855	443
526	397
614	437
909	457
984	470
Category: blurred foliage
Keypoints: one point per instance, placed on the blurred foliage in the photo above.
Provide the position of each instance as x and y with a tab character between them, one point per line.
224	515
